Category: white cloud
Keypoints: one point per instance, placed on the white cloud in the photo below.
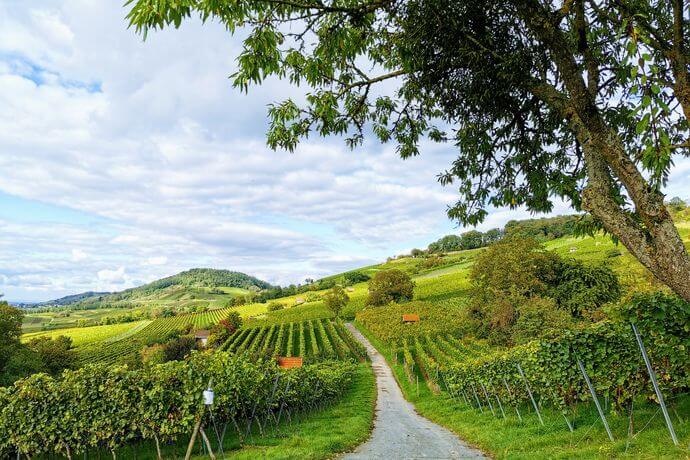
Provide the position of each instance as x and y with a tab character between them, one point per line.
159	260
79	255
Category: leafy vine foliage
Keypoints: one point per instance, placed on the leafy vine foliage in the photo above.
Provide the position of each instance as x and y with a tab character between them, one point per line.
608	351
108	406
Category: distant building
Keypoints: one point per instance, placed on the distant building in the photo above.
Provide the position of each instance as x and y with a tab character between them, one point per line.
201	337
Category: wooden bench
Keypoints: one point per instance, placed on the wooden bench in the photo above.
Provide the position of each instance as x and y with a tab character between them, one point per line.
410	318
289	363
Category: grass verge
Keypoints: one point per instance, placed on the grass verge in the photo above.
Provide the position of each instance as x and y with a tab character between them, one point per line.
513	439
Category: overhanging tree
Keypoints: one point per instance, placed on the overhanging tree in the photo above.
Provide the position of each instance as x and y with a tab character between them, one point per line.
584	100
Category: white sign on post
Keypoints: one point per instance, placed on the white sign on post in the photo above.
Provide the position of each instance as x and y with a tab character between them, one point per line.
208	397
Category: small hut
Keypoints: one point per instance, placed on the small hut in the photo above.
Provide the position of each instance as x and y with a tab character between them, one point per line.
410	318
201	337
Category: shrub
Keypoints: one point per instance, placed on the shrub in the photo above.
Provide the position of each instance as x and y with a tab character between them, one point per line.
177	349
581	288
336	299
538	317
351	278
517	276
390	286
153	354
433	261
275	306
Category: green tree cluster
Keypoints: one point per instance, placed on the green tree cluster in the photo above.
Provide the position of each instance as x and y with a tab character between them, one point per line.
336	299
42	354
390	286
520	291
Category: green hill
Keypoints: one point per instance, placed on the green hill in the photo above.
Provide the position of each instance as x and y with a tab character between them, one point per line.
194	284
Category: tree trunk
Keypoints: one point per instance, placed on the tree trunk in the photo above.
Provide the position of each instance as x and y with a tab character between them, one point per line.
650	235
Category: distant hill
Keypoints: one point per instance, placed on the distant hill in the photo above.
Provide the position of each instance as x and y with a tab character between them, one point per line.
194	284
70	299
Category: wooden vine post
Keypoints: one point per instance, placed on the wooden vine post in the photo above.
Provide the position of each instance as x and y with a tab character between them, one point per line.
199	428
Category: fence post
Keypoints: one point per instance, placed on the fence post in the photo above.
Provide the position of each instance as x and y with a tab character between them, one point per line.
529	392
488	400
510	393
498	399
652	377
594	397
476	397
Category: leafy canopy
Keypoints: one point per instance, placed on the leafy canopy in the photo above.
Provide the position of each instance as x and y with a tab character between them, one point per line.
336	299
584	100
390	286
470	73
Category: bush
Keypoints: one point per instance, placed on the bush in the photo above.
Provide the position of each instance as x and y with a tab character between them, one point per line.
431	262
390	286
351	278
275	306
153	354
336	299
179	348
580	288
517	275
538	317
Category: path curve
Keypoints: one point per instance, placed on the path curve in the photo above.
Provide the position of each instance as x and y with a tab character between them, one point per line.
399	432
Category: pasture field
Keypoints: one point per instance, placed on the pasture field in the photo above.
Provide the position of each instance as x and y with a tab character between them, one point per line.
82	336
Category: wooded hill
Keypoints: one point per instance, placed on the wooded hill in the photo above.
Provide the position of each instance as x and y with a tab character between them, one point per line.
203	279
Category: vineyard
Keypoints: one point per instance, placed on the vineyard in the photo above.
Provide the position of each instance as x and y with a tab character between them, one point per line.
111	352
597	364
83	336
312	340
68	416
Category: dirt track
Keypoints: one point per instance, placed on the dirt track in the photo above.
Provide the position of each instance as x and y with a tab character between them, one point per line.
399	432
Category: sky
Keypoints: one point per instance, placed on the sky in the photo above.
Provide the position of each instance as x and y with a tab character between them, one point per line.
124	161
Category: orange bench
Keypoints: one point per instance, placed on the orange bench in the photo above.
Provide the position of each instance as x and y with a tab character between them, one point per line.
412	318
289	363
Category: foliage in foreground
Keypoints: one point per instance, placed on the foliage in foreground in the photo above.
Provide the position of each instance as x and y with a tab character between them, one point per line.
108	407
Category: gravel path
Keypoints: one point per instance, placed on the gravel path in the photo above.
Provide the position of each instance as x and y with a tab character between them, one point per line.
399	432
